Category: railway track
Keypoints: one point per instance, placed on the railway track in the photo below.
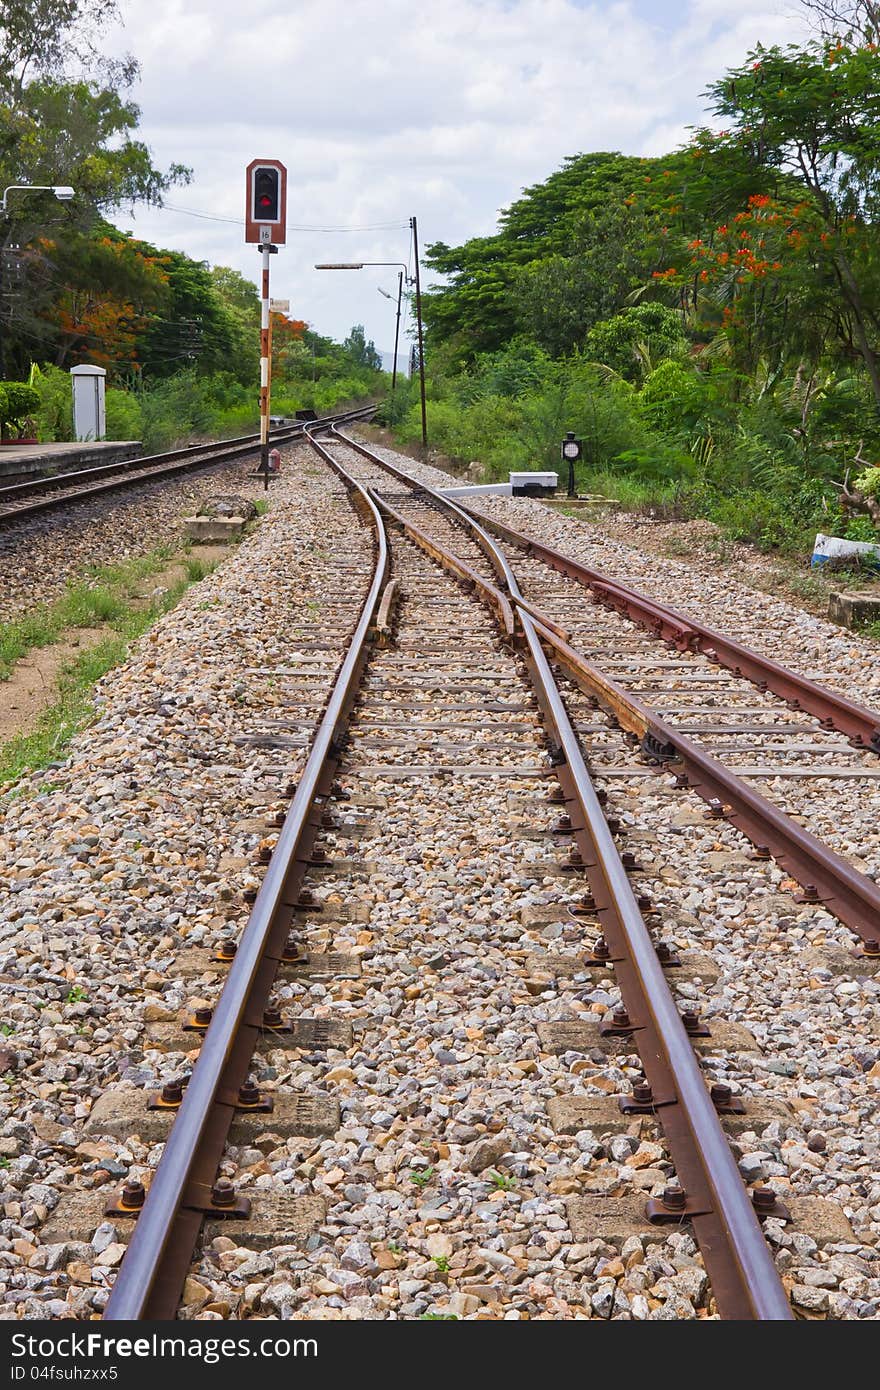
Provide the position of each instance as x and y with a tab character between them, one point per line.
491	705
709	710
21	501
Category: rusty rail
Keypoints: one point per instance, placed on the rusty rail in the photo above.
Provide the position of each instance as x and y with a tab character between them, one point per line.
860	724
180	1196
712	1193
825	876
852	896
19	501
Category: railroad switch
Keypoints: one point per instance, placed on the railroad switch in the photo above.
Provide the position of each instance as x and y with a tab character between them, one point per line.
658	750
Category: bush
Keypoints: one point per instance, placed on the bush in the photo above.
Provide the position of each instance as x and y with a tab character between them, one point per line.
636	340
17	403
54	412
124	418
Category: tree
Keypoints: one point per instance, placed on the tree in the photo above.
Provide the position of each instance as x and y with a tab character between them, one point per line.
560	298
556	264
195	328
61	127
360	352
634	342
43	37
812	115
111	286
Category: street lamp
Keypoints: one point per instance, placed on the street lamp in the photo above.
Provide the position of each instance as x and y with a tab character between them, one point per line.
571	452
63	192
404	276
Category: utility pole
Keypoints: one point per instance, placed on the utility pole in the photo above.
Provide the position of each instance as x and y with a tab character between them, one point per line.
415	231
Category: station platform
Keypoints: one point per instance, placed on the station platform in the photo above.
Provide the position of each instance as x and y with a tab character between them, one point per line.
20	462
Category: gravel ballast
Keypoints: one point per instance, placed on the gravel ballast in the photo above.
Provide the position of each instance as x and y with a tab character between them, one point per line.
448	1189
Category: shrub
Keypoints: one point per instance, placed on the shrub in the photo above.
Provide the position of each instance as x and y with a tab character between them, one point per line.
18	402
636	340
869	482
124	418
55	410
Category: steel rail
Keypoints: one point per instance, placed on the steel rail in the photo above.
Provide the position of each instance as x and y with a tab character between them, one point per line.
850	895
156	1262
858	722
47	494
744	1279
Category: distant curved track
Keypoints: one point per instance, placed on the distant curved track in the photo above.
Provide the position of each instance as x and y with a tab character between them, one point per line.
20	502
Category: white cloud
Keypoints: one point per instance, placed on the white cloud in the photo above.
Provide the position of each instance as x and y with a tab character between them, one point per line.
445	110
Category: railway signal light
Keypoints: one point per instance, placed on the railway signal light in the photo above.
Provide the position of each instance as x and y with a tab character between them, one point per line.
266	202
571	452
266	186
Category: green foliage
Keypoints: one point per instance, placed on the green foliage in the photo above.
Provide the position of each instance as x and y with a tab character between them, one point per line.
18	402
636	340
54	412
868	482
707	323
124	415
861	528
360	352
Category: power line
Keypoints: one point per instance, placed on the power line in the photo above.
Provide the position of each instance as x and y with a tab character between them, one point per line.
291	226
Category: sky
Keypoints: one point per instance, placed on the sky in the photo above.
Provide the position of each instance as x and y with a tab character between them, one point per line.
385	109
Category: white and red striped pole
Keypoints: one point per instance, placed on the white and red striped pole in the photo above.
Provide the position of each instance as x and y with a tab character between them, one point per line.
265	370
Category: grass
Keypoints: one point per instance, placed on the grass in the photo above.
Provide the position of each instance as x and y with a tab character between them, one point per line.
73	707
421	1177
102	597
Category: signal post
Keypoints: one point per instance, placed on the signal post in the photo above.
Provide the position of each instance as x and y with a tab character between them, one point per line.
266	227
